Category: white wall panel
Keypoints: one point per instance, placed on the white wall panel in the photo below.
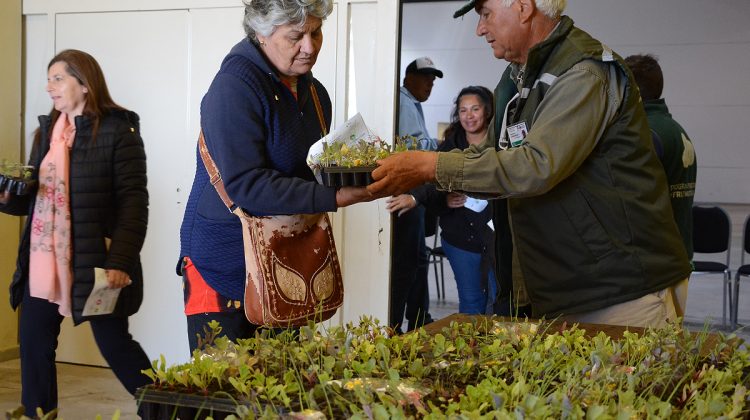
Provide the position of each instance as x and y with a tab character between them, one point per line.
702	74
663	22
86	6
713	184
38	51
325	69
719	140
365	248
363	17
213	33
146	73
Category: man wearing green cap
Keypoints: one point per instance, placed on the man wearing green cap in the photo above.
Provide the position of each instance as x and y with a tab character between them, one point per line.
593	238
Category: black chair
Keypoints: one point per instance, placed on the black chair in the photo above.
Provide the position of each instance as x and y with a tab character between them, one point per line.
712	235
742	270
436	255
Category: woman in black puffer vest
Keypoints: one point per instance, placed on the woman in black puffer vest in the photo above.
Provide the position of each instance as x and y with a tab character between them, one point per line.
107	202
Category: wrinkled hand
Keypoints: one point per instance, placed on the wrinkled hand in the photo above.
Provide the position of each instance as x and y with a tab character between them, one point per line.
346	196
4	197
118	279
401	172
401	203
455	200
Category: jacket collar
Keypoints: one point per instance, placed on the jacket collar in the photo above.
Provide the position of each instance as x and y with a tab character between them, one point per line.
250	51
83	122
247	49
658	105
539	53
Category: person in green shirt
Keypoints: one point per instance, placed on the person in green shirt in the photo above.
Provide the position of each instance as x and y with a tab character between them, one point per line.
672	144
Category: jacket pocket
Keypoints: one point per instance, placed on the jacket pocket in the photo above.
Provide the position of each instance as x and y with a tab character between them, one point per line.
587	223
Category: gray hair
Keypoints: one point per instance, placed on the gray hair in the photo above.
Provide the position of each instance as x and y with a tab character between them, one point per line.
263	16
550	8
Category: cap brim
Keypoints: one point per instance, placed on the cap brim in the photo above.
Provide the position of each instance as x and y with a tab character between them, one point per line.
465	9
434	72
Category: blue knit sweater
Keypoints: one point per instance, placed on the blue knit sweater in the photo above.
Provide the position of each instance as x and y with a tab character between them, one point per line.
258	135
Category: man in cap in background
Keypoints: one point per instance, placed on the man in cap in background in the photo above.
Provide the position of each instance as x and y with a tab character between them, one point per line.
418	81
409	255
593	235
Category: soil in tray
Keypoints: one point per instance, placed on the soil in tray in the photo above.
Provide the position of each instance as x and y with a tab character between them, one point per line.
336	176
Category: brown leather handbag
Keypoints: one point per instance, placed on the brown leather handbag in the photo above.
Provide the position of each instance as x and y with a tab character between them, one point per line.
291	266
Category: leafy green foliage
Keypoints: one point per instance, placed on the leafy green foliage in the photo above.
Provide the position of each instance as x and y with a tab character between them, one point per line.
483	369
361	152
15	170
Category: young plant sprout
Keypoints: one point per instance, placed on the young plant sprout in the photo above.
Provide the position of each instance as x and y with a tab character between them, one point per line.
15	177
486	368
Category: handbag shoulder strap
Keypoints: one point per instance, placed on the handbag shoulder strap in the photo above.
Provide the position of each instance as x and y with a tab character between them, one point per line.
318	108
213	173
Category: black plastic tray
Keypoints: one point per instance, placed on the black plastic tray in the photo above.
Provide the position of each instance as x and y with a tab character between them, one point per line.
16	186
338	176
154	404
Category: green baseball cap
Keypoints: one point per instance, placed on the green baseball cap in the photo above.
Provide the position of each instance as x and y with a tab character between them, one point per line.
466	8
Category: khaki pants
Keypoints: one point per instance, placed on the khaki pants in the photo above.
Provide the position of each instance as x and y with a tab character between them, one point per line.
653	310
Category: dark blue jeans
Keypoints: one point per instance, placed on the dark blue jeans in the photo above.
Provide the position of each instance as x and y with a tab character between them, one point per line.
475	295
39	329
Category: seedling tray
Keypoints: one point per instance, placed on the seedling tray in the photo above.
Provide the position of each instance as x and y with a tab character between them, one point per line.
14	185
154	404
339	176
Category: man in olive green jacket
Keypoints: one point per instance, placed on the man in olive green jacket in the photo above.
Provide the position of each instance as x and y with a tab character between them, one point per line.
593	235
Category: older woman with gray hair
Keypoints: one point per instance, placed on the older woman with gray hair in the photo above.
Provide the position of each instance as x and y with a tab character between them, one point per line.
261	114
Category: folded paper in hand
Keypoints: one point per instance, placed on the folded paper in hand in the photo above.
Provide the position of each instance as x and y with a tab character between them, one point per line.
102	299
475	204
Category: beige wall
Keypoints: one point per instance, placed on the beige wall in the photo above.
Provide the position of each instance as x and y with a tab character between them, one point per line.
10	148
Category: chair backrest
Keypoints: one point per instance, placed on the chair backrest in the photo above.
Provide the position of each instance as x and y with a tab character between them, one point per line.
711	230
430	223
437	233
745	240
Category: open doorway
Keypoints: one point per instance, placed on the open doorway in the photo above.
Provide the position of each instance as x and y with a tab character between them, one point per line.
448	51
427	28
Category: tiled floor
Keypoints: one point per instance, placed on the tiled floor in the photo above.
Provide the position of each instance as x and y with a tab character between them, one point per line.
87	391
84	392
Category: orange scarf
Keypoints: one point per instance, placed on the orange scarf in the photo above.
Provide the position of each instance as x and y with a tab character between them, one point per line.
50	272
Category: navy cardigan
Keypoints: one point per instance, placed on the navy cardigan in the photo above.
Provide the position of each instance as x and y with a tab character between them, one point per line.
259	135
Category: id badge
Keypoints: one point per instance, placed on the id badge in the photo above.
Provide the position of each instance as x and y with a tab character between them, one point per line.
517	133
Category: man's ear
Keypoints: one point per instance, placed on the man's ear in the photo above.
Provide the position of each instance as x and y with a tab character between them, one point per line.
527	9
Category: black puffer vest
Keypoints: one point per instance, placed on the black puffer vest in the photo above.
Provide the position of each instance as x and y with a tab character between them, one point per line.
108	200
